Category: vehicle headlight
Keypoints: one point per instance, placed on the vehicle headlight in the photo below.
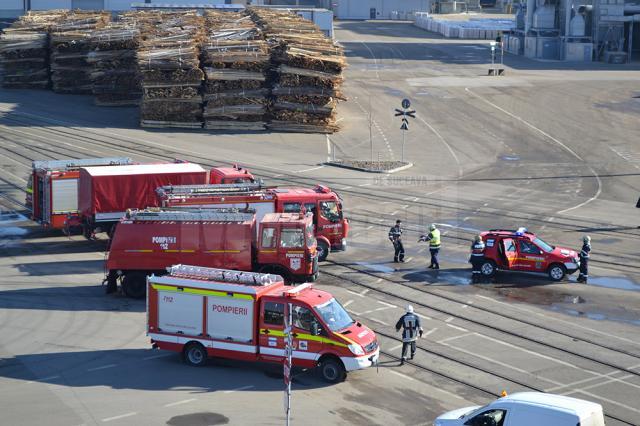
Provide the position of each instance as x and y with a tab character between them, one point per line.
356	349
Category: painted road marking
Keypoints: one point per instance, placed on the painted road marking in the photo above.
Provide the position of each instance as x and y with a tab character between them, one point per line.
449	319
387	304
43	379
347	303
396	347
455	337
239	389
122	416
184	401
309	170
104	367
354	293
378	321
455	327
404	376
429	332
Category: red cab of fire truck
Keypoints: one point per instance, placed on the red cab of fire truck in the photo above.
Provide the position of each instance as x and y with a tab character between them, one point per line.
331	228
521	250
149	241
227	175
52	188
206	312
105	193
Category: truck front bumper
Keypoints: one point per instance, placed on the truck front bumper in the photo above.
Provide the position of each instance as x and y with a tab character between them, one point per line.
360	362
341	246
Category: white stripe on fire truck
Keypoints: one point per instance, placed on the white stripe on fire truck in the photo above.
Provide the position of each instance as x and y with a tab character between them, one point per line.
206	343
188	290
296	354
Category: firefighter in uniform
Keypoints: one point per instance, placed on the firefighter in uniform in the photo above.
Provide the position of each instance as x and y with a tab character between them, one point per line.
433	237
477	256
395	236
410	323
584	259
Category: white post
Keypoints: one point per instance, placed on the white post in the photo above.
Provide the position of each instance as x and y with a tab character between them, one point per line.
403	131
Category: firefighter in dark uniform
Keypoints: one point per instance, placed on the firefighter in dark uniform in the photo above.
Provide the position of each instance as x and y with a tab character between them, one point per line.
476	259
395	236
410	323
584	259
433	237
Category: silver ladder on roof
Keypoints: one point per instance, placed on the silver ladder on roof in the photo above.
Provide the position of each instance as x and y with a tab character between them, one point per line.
191	215
210	189
223	275
77	163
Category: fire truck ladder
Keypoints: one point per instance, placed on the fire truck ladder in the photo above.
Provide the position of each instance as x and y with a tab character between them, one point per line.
223	275
222	189
204	215
76	164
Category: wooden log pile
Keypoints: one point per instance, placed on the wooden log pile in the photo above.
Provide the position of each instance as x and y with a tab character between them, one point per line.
24	50
115	78
235	59
168	61
70	47
308	73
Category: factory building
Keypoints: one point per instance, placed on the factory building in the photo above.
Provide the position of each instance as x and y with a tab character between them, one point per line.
577	30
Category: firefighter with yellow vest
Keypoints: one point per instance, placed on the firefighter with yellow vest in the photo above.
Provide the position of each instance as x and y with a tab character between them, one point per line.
433	237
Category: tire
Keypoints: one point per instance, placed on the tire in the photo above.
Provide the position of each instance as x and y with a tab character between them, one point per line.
134	285
195	354
332	370
556	272
488	268
323	250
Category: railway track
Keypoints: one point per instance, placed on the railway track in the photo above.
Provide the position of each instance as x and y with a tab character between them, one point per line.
486	325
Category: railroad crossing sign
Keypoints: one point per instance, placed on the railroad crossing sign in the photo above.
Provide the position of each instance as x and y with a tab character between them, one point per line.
405	114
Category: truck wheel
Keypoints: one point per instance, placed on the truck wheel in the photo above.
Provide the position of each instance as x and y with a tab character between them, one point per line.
332	370
134	285
488	268
195	354
556	272
323	250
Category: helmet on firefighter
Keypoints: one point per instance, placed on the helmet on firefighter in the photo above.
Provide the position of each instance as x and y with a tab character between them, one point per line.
432	227
586	239
409	309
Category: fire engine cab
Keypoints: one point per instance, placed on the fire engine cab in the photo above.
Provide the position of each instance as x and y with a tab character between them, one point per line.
206	312
521	250
227	175
331	228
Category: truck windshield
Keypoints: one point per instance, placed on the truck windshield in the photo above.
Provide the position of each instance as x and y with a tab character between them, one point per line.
330	211
334	315
291	238
544	246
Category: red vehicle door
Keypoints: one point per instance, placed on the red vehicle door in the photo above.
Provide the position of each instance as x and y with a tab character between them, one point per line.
271	333
530	257
510	253
307	346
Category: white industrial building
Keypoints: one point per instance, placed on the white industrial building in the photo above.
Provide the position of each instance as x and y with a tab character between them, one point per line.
378	9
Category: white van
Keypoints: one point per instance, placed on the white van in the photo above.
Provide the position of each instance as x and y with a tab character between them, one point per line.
527	409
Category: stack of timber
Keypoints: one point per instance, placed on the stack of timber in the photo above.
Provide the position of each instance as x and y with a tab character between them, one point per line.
235	59
115	77
24	50
168	61
70	46
308	65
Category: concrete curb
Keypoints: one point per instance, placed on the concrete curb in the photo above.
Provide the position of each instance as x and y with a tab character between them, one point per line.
362	169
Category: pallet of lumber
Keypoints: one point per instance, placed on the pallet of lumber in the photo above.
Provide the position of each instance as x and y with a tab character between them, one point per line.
307	78
24	50
70	45
168	61
115	77
236	60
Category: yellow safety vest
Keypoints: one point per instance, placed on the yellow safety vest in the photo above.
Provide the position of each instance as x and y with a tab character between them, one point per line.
434	242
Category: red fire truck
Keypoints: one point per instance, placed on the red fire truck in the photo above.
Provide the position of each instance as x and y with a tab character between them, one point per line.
148	241
206	312
105	193
331	227
52	190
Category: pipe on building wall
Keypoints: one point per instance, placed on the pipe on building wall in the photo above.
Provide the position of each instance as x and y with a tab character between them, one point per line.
531	8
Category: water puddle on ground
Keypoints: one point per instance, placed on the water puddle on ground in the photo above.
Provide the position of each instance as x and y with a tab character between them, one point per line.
377	267
615	282
598	316
8	228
